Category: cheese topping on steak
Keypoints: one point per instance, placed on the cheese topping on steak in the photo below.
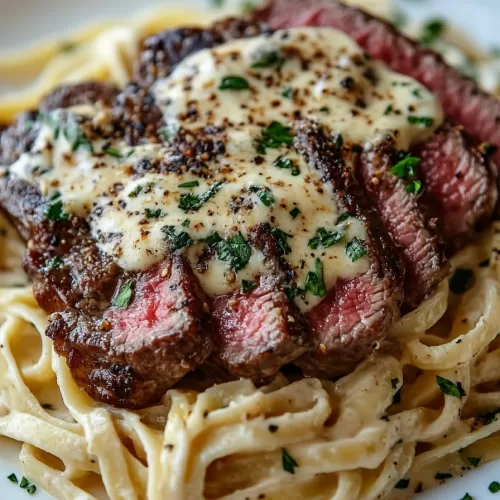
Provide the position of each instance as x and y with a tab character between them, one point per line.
227	163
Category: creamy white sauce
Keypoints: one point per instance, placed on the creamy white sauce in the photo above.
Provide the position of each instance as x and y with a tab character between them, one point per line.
331	81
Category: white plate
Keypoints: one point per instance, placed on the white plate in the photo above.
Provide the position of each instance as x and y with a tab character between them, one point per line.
23	21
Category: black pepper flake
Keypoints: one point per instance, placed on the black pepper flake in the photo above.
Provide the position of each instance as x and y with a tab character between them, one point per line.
347	82
273	428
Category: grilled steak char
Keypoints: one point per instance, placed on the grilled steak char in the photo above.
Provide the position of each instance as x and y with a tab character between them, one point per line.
130	356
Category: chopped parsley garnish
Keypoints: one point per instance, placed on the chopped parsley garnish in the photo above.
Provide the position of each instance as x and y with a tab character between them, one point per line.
431	31
414	186
426	121
287	93
24	483
124	296
186	222
54	208
343	217
153	214
402	484
324	109
68	46
264	194
388	110
293	291
189	184
489	417
494	487
177	240
406	167
235	251
13	478
443	475
461	281
169	131
281	240
294	212
417	93
467	497
190	201
325	239
284	162
314	280
274	136
288	462
112	152
247	286
76	137
450	388
31	489
135	191
54	263
232	82
355	249
267	59
474	460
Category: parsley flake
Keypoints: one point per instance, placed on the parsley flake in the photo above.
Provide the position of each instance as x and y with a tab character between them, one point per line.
432	30
54	263
124	295
414	186
186	222
474	460
281	240
494	487
442	475
267	59
450	388
247	286
192	202
54	208
135	191
388	110
293	291
31	489
287	93
461	281
294	212
274	136
153	214
232	82
169	131
264	194
355	249
112	152
406	167
24	483
12	478
402	484
284	162
189	184
235	251
467	497
288	462
325	239
426	121
177	239
314	280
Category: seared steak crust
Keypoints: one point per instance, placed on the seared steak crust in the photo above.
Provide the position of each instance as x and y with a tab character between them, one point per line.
162	52
363	307
425	263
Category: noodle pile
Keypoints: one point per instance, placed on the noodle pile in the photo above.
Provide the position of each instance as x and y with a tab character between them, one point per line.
389	423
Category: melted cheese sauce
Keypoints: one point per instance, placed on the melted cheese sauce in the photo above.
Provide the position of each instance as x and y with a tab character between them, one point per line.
316	73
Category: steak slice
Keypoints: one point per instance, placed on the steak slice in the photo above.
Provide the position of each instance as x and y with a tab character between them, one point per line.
79	94
460	183
463	101
130	357
357	312
162	52
260	330
425	263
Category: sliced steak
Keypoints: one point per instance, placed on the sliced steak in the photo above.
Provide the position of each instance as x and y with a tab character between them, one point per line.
460	183
79	94
260	330
463	101
132	356
426	265
162	52
357	312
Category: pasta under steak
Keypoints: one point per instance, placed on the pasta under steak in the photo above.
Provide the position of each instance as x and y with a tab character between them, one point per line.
423	407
